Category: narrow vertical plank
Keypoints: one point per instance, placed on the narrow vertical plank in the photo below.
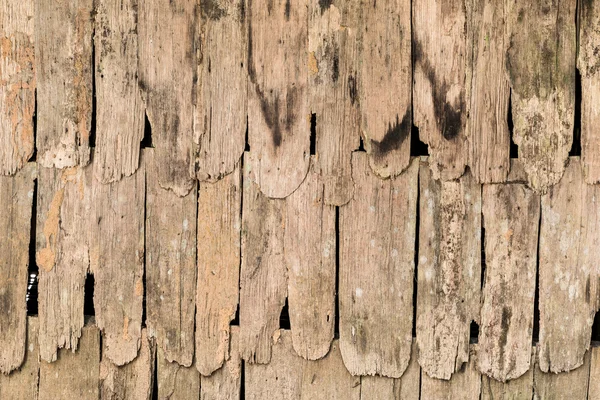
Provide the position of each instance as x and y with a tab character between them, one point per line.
568	276
119	106
167	76
541	41
511	214
132	381
449	274
385	84
63	65
333	75
464	385
226	382
594	380
17	84
310	254
377	228
74	376
117	262
571	385
16	195
263	276
219	245
278	114
487	127
442	67
176	382
22	384
170	266
62	255
520	388
222	93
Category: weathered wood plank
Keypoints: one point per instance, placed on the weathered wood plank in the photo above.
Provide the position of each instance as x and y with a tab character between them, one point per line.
219	243
220	112
333	33
594	380
487	126
176	382
117	262
74	376
449	274
17	84
263	276
386	84
63	65
520	388
310	253
278	114
167	74
170	266
568	276
541	40
442	70
571	385
119	105
225	383
511	214
464	385
132	381
62	255
22	384
16	196
377	228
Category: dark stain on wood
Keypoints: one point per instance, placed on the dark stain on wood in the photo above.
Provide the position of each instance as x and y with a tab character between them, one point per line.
288	8
504	325
396	134
212	10
324	5
352	89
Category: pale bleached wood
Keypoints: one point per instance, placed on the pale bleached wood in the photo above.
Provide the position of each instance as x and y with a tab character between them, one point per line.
62	254
22	384
571	385
17	84
219	242
464	385
333	73
117	262
310	254
176	382
568	276
385	84
133	381
167	73
278	113
520	388
263	276
540	59
225	383
377	244
63	65
119	106
487	127
511	214
594	380
16	197
74	376
221	95
170	266
449	274
442	68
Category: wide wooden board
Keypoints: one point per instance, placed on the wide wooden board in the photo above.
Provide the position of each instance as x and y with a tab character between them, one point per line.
571	385
226	382
520	388
176	382
464	385
22	384
594	380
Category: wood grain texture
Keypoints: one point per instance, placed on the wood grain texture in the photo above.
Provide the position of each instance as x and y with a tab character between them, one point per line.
170	266
64	204
487	126
16	196
63	65
17	84
541	60
464	385
511	215
442	70
176	382
377	228
74	376
263	276
568	276
594	380
333	79
385	84
119	106
131	381
167	77
117	262
226	382
22	384
219	249
449	274
571	385
520	388
310	257
278	113
221	95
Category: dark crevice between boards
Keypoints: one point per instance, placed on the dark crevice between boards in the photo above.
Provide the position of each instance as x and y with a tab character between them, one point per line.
32	276
596	329
147	139
361	145
514	149
145	264
416	259
247	143
155	376
284	317
33	157
336	322
242	379
313	134
474	332
576	146
88	299
417	147
536	301
92	138
236	319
